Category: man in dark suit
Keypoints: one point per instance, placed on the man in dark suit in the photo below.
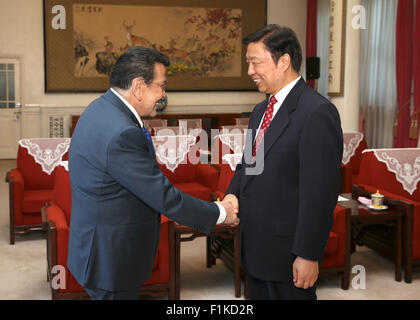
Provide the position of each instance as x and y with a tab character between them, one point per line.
289	179
118	190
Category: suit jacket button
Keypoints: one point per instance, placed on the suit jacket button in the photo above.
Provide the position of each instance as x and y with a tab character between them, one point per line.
243	198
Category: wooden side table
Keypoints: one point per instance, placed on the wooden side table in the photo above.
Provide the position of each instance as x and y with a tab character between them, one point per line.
361	217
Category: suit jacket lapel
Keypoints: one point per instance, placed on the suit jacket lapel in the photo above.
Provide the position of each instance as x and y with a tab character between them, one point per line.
279	122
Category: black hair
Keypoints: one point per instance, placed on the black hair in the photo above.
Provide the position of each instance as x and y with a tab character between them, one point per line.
134	63
278	40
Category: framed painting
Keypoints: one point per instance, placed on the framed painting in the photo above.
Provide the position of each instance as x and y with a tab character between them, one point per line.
203	39
337	48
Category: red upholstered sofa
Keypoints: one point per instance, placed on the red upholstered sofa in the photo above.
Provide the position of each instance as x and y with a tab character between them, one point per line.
374	175
29	189
57	217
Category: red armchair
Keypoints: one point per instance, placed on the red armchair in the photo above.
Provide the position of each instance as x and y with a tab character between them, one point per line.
198	180
29	189
57	218
336	260
350	169
374	175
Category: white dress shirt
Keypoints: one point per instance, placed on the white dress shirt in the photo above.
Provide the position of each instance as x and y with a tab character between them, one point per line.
222	214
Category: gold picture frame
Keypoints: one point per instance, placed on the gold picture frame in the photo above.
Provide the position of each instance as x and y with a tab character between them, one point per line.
337	48
203	39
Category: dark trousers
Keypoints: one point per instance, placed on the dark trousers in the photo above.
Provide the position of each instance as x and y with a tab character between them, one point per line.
99	294
273	290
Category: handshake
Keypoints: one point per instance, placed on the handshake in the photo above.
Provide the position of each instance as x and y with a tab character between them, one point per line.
231	205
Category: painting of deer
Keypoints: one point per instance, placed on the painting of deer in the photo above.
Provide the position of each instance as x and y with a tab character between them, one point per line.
133	40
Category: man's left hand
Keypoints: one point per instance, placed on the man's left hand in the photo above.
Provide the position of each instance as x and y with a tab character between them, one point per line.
305	272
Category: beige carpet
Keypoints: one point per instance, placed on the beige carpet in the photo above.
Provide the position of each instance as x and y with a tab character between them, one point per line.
23	268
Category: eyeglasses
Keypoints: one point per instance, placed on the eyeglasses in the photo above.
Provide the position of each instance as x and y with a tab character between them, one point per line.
161	85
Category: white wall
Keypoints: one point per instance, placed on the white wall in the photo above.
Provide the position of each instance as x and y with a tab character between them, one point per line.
292	14
349	104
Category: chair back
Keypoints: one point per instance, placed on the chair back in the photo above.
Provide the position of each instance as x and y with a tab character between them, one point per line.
48	152
32	172
62	191
242	121
152	123
186	125
164	131
185	170
375	173
226	175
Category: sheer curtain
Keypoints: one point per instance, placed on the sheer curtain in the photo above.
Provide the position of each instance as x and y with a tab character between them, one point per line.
323	32
378	79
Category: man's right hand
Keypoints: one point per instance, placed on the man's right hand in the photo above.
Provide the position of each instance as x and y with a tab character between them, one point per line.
231	205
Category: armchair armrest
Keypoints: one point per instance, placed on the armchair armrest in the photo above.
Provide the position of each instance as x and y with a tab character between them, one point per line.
16	178
58	235
16	187
341	215
56	214
207	175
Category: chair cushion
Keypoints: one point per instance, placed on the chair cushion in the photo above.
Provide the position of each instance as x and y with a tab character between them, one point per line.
29	218
195	189
34	200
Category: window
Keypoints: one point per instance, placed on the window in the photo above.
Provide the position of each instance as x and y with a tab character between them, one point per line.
7	85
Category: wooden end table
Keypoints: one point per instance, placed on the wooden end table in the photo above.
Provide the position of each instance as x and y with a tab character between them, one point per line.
361	217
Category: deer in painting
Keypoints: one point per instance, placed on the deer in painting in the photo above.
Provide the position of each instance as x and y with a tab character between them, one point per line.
174	53
133	40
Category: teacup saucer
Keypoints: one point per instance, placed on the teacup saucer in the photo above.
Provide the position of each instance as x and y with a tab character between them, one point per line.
378	208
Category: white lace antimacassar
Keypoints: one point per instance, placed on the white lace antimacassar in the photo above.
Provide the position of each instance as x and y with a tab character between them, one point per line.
47	152
351	141
171	150
235	140
403	162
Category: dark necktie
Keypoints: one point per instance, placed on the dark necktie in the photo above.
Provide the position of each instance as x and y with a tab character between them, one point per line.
149	138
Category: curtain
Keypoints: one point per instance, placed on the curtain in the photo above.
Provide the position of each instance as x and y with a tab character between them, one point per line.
323	32
311	16
404	70
377	75
416	63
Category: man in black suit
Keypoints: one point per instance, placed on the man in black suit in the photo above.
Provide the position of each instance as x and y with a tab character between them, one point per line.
117	188
289	179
